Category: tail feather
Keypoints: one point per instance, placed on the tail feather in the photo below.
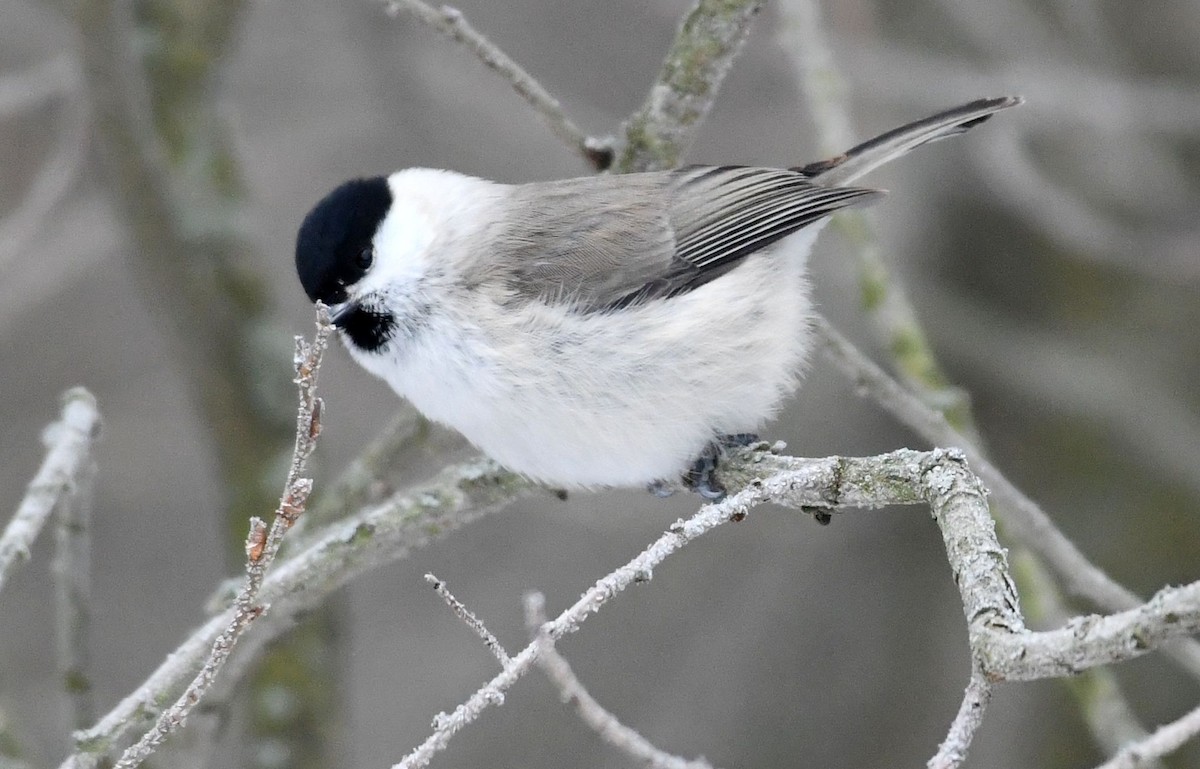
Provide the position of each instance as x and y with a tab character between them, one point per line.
873	153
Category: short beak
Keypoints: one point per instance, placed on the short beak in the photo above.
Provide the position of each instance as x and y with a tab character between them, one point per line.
339	312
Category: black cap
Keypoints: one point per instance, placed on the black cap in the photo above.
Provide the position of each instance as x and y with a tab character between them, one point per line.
333	247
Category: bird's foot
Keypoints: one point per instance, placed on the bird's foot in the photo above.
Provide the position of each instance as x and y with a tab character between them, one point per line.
701	476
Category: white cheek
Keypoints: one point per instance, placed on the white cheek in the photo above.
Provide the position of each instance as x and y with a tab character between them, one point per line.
402	249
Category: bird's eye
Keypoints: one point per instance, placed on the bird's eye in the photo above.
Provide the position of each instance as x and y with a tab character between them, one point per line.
365	258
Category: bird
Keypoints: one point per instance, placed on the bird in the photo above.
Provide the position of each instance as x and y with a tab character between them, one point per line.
604	331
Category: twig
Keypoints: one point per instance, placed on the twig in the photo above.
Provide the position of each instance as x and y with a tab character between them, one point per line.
69	445
953	750
262	544
900	477
1022	517
1103	706
465	492
473	622
459	495
73	594
1166	739
708	41
1085	642
451	23
370	479
604	723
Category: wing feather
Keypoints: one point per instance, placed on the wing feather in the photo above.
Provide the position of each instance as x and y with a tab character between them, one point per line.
606	242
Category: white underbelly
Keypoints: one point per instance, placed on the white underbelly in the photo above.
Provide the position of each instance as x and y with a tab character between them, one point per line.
594	399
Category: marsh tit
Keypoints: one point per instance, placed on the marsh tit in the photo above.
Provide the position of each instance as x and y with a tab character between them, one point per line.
603	331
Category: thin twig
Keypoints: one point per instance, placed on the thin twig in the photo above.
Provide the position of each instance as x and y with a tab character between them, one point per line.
411	519
262	544
709	39
473	622
953	750
1109	716
451	23
1166	739
69	452
73	596
604	723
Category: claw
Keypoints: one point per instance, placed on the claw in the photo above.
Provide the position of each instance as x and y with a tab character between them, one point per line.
700	476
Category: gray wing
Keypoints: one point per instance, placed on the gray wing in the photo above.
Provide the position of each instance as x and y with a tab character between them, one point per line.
610	241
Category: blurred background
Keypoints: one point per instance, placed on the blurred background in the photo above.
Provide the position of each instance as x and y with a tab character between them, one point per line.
1053	255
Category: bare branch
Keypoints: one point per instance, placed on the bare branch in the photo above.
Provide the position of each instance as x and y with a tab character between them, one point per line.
451	23
459	495
1166	739
604	723
473	622
900	477
1023	519
709	39
72	595
408	440
262	544
953	750
69	445
1086	642
1102	705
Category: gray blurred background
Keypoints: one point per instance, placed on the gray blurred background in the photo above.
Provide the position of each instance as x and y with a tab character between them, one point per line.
1053	255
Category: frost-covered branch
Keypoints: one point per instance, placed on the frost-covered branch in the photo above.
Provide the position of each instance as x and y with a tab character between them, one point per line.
380	534
953	750
1001	647
451	23
262	545
1085	642
571	690
72	574
1024	520
1165	740
69	444
468	617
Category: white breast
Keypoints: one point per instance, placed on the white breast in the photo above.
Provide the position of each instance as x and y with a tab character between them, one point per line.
621	398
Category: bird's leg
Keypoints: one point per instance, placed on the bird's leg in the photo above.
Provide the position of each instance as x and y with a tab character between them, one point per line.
700	477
